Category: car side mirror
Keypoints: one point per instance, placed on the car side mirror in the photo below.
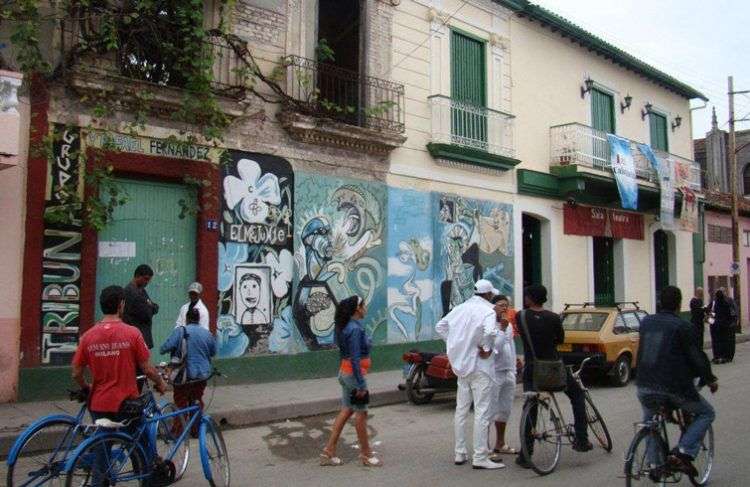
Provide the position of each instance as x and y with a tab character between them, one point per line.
620	329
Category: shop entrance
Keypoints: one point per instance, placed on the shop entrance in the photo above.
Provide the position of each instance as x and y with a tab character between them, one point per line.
604	271
152	228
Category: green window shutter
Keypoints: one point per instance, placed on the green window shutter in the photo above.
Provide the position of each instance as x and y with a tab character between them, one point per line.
602	111
658	125
468	81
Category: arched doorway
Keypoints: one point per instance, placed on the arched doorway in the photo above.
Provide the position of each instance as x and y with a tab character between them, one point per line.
661	262
532	250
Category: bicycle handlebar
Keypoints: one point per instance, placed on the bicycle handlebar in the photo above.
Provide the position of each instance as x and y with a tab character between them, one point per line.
577	373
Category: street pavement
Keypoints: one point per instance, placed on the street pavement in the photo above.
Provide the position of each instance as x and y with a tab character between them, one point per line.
415	442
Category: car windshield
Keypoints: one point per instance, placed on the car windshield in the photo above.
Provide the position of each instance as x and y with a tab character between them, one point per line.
583	321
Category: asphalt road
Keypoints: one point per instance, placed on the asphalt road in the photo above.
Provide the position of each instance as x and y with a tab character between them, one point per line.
415	442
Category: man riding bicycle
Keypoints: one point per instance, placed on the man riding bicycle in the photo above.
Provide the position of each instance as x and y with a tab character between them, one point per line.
112	350
668	362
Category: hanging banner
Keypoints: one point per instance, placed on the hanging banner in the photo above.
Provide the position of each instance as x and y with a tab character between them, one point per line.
665	170
602	222
623	167
689	213
681	174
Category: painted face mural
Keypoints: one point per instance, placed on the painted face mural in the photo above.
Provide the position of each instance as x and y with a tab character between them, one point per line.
255	252
339	253
476	242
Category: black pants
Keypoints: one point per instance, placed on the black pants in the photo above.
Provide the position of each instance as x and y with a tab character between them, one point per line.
715	341
725	341
731	343
577	398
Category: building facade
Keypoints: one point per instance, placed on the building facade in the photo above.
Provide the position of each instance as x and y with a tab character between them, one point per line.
442	142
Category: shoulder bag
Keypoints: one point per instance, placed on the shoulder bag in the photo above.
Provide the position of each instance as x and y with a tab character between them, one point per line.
548	375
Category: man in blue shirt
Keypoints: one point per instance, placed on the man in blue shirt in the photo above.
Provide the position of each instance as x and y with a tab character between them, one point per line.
668	362
201	346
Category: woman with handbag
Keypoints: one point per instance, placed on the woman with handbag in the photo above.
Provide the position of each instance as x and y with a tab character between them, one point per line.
541	331
354	348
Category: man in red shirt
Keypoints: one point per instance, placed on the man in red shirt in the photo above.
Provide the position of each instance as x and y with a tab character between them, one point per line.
112	350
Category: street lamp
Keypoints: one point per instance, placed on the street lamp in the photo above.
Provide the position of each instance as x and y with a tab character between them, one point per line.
646	110
587	85
677	122
626	104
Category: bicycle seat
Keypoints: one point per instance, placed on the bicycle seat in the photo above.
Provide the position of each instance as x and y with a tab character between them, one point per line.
108	423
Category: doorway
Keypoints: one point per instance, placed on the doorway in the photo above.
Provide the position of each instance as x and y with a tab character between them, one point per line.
661	263
604	271
151	228
532	250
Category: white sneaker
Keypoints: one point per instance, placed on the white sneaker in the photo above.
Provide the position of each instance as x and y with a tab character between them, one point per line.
461	458
488	464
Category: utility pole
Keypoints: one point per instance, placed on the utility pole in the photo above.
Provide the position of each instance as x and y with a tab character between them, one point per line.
734	189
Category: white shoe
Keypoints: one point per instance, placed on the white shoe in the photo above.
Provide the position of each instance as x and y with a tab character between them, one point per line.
488	464
461	458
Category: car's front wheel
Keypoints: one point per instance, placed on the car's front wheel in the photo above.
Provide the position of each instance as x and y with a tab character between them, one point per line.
621	371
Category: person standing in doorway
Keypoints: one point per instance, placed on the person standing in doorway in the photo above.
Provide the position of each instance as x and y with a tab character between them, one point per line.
504	354
698	316
354	349
469	331
194	302
139	309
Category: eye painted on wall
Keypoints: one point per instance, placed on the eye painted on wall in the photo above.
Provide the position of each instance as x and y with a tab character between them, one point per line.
352	221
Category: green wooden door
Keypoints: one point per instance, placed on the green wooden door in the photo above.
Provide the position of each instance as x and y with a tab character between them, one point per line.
602	111
661	262
532	250
148	230
468	82
604	271
658	127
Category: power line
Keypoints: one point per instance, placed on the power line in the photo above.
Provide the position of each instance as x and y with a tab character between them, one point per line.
444	22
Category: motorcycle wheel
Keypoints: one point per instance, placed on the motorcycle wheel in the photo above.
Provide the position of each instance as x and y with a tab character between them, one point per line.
414	383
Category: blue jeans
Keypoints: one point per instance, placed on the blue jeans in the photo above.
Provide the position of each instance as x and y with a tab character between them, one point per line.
701	410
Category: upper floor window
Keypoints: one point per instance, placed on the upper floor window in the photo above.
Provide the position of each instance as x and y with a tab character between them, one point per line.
602	111
719	234
468	90
658	127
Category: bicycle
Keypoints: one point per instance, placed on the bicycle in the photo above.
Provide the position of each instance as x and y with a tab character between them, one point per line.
127	453
40	452
646	459
541	420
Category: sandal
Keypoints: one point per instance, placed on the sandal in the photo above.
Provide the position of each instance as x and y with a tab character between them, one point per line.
371	461
506	450
328	460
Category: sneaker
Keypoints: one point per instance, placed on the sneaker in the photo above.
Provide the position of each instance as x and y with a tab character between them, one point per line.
488	465
583	446
521	462
461	458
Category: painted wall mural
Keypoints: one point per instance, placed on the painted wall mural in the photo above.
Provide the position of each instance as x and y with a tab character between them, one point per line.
340	251
61	278
475	239
293	245
255	251
411	310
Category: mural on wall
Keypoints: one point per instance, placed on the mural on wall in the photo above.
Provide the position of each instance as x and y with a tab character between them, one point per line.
61	277
475	240
340	251
255	252
411	313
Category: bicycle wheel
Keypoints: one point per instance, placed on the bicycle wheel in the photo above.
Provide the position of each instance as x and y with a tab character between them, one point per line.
704	460
645	462
168	431
214	457
108	460
541	436
597	425
41	453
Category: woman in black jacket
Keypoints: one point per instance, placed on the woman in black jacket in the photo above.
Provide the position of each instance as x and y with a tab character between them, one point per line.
722	311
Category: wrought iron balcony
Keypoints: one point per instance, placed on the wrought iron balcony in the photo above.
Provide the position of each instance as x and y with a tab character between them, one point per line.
470	126
579	144
323	90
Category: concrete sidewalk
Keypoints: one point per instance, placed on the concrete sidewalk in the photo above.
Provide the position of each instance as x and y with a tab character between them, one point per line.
237	406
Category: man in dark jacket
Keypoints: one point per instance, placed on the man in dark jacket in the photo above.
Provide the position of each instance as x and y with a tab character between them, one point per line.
668	361
698	316
139	310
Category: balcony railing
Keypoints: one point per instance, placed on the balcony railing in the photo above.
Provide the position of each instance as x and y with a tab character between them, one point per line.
328	91
575	143
459	123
